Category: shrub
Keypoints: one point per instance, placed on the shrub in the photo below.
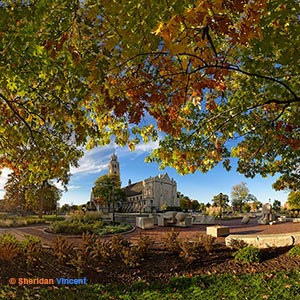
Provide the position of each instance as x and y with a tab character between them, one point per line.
6	223
247	254
83	255
101	251
32	246
237	244
295	251
9	247
19	221
206	241
191	250
118	243
132	255
84	217
62	249
172	241
119	249
75	227
144	245
112	229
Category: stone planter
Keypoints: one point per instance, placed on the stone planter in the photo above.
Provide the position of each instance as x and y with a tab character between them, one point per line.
217	231
145	222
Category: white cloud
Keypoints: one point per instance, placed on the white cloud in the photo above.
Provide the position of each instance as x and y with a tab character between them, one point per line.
93	161
147	147
3	179
97	159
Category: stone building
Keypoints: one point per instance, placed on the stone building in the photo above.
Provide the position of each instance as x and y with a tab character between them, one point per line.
148	195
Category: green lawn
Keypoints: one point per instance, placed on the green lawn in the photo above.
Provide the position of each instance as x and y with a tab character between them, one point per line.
279	285
7	221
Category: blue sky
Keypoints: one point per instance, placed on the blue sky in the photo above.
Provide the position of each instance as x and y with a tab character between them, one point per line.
132	166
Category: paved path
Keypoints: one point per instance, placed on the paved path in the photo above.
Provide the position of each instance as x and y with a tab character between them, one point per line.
158	232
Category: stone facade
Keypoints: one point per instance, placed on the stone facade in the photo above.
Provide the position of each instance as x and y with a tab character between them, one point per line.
151	194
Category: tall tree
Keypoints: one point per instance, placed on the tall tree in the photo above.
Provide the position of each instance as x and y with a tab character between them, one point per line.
23	196
107	192
211	73
42	198
14	197
239	195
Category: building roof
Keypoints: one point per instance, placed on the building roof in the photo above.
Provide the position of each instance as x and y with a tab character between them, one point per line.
134	189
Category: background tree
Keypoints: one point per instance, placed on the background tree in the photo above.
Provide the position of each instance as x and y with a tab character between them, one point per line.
185	202
66	208
276	205
22	196
14	197
255	204
195	205
221	200
239	195
202	207
293	200
42	198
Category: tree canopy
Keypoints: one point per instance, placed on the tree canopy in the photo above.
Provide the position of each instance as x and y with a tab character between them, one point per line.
30	197
220	200
219	77
239	195
107	190
294	200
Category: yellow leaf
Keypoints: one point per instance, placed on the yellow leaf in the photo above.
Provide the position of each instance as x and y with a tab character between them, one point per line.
159	28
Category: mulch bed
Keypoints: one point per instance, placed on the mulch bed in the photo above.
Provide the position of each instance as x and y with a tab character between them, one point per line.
160	265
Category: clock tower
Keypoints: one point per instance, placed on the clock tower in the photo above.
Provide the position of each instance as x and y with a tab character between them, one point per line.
114	167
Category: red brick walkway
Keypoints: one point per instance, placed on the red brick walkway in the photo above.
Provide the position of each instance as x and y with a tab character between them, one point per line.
236	227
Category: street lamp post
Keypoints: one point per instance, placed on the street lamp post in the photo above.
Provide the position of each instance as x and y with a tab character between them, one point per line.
113	202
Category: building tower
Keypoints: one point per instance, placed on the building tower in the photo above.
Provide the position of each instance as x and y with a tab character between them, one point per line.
114	167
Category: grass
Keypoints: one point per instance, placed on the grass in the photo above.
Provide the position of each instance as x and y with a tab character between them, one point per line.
277	285
18	221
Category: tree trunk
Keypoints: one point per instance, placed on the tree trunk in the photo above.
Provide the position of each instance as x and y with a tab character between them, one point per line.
41	206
